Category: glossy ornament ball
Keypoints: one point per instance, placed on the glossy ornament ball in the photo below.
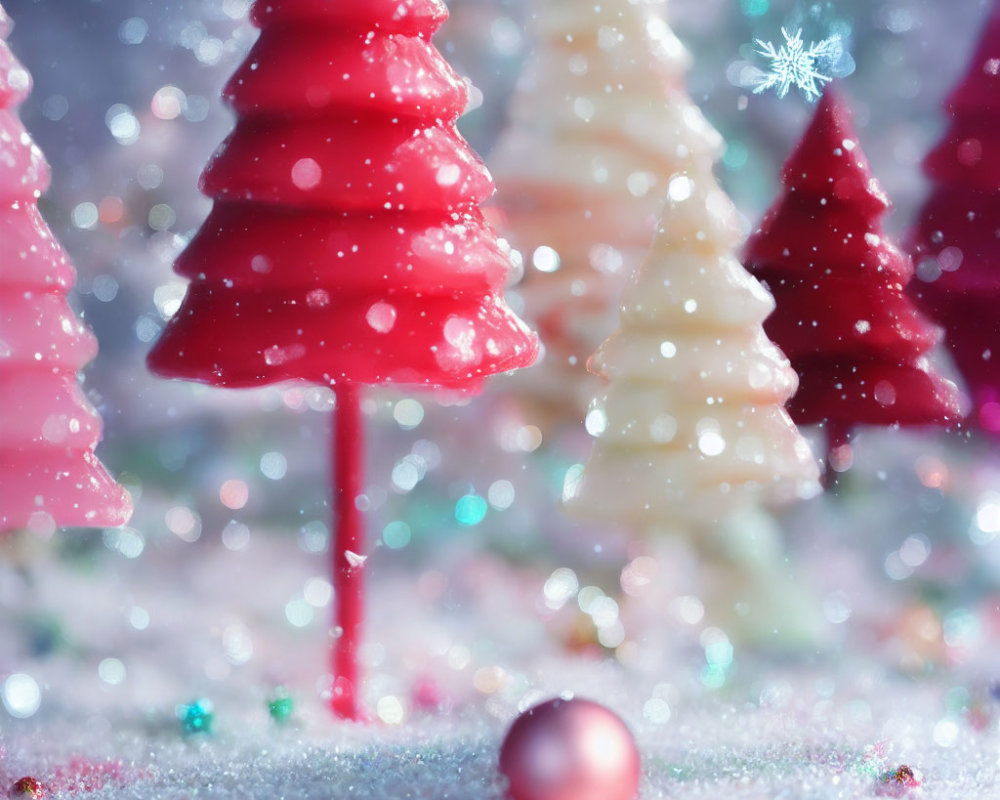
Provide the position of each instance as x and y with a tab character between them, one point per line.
27	788
570	750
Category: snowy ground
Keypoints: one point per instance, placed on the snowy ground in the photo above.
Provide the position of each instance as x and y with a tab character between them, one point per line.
457	645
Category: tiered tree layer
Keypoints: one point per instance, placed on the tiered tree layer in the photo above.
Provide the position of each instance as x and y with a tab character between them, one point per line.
857	342
346	242
692	424
598	123
49	474
957	240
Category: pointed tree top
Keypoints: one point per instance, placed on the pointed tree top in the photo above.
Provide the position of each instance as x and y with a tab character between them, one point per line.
337	61
24	173
410	17
15	81
698	215
979	89
629	33
829	161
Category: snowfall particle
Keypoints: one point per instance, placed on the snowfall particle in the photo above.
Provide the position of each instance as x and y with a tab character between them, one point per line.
793	64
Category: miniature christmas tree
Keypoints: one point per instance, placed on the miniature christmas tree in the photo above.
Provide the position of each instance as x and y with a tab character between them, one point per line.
692	423
857	342
49	475
599	122
692	434
956	246
345	245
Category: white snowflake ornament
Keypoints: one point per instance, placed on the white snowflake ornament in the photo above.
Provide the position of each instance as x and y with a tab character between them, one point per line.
794	64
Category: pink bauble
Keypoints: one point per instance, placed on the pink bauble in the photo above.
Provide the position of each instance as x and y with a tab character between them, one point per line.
570	750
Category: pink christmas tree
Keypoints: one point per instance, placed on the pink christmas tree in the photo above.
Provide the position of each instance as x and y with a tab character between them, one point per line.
955	244
857	342
346	245
49	474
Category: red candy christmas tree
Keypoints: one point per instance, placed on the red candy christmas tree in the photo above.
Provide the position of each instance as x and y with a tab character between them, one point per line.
855	339
49	474
956	244
346	245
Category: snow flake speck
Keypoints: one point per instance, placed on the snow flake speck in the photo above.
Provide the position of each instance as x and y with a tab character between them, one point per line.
448	175
884	393
276	355
307	173
260	264
381	317
318	298
461	334
680	188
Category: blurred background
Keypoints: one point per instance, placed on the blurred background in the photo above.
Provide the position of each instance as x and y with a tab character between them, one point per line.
903	564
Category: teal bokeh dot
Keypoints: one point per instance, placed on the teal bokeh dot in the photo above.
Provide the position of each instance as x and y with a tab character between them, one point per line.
736	156
755	8
396	534
470	509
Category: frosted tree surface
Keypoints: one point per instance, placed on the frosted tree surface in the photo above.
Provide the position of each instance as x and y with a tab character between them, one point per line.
794	64
599	121
346	242
692	425
955	242
49	474
858	343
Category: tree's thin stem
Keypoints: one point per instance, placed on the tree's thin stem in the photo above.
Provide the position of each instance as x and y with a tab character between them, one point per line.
348	541
837	436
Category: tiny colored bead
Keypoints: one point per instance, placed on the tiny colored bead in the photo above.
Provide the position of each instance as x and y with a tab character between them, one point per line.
197	717
281	705
26	787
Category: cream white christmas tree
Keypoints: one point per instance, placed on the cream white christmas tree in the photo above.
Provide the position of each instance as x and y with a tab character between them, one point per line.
692	435
598	123
692	422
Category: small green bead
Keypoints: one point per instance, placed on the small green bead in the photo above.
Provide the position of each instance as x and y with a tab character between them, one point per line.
281	705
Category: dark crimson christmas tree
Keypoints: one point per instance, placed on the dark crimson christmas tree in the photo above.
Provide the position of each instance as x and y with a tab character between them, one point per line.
856	340
956	244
